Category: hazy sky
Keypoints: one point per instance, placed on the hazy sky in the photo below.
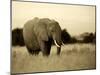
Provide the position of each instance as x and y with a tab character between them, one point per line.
75	18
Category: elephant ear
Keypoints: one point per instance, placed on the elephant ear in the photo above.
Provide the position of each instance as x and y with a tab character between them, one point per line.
43	34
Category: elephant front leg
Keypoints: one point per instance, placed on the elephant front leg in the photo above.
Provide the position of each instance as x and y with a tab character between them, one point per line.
58	50
45	49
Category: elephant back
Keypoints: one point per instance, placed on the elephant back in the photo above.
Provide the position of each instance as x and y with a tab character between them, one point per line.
45	20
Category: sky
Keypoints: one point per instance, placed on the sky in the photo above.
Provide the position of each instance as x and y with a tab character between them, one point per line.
76	19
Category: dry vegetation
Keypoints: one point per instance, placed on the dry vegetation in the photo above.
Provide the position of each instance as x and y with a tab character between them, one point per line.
73	57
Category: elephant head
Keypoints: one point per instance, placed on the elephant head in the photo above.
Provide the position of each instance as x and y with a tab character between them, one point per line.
55	32
51	30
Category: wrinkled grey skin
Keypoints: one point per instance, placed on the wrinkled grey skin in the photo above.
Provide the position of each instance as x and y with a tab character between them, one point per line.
39	33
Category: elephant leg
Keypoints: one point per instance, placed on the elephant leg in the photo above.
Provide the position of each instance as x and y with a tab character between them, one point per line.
48	45
45	51
58	50
30	51
36	52
45	48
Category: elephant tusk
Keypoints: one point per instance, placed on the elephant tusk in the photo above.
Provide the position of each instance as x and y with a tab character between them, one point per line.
63	43
56	43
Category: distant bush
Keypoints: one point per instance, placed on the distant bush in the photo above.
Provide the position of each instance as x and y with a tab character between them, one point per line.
73	40
66	38
91	38
17	37
83	38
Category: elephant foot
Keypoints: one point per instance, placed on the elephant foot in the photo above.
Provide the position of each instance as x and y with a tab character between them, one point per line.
33	52
30	52
46	53
36	52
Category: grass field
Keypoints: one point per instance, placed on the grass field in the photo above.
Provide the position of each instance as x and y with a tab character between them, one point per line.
72	57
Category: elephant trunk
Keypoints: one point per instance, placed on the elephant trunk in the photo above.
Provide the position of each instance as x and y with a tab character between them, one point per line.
58	47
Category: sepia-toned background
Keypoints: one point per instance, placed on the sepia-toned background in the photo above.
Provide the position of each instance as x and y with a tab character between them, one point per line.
75	18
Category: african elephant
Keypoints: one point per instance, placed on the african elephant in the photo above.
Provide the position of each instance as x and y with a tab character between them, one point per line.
39	33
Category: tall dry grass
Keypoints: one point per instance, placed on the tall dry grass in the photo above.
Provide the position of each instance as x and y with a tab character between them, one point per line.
72	57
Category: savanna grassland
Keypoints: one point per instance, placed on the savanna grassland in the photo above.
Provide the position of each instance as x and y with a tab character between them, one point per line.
72	57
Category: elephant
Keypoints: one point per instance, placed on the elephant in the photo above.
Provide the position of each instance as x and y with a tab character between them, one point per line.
39	33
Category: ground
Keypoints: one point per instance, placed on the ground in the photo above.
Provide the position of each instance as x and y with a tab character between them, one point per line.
72	57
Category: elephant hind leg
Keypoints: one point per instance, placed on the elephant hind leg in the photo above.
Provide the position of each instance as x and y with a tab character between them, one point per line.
33	52
36	52
30	51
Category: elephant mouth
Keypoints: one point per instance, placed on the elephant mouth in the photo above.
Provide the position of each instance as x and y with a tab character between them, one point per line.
56	43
